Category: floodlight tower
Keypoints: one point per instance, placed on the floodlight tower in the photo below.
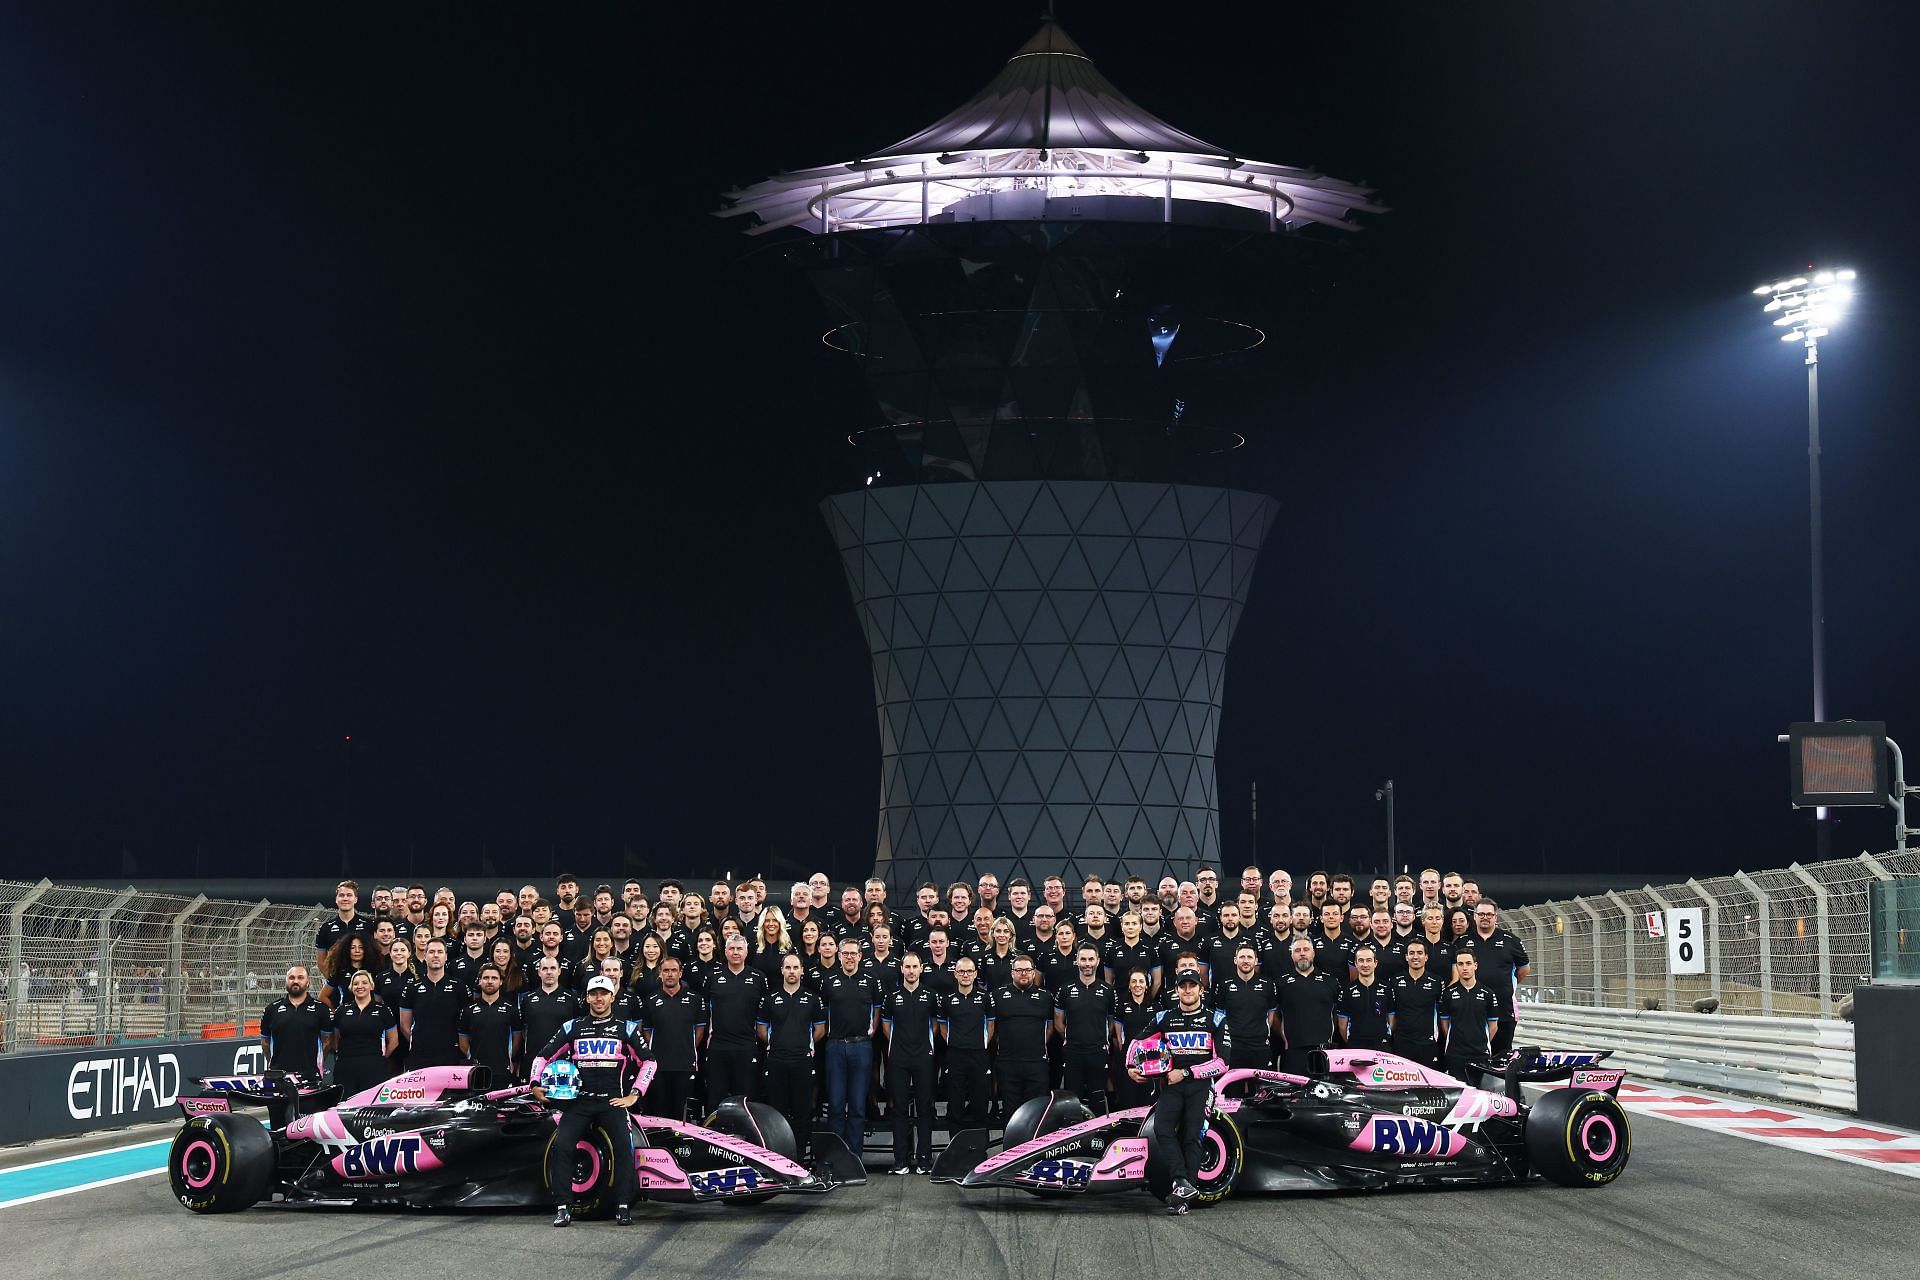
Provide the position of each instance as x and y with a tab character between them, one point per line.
1046	563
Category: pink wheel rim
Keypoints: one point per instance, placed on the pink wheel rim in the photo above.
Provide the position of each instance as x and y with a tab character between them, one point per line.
199	1148
1600	1147
592	1154
1213	1158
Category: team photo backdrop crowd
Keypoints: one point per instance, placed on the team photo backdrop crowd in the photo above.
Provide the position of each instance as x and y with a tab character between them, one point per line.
981	996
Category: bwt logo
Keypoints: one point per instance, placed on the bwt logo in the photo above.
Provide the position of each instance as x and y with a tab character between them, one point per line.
1409	1138
725	1182
1188	1040
120	1086
596	1050
1062	1173
381	1158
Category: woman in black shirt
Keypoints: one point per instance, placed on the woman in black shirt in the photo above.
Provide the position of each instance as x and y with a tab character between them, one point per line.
645	980
772	946
366	1031
1134	1015
352	953
506	959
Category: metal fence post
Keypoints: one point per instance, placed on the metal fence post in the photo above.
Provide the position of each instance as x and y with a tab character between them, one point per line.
1713	937
103	964
176	967
18	977
1540	942
1599	977
241	967
1627	918
1566	949
1764	905
1826	936
1673	994
1872	864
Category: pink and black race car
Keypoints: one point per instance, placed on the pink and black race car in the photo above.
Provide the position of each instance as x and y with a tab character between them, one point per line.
1360	1120
439	1137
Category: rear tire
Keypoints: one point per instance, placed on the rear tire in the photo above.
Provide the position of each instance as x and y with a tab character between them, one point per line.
221	1163
591	1192
1222	1153
1578	1138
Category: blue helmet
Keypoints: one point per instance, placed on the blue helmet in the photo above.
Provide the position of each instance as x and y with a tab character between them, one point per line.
560	1081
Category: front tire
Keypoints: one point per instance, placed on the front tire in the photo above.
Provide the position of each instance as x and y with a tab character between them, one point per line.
591	1193
1222	1153
1578	1138
221	1163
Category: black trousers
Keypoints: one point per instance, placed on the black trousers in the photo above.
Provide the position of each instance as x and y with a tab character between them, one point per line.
1254	1057
730	1072
1132	1093
1295	1060
575	1120
967	1085
1085	1073
790	1090
359	1073
910	1079
1020	1081
1176	1121
1424	1052
1503	1036
667	1095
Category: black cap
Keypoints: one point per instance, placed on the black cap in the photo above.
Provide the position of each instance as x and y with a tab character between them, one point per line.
1188	975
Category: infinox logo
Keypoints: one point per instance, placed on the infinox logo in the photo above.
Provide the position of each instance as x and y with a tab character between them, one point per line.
725	1182
1383	1074
380	1158
1403	1136
119	1086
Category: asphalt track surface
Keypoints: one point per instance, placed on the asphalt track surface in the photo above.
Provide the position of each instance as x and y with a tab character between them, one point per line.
1692	1203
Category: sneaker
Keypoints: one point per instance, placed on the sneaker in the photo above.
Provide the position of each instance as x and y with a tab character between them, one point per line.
899	1169
622	1216
1184	1190
1176	1206
923	1169
563	1216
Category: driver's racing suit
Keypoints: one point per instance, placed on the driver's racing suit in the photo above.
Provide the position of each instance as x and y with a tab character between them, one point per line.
613	1061
1199	1044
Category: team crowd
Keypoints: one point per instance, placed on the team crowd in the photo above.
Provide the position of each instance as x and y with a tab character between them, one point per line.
982	995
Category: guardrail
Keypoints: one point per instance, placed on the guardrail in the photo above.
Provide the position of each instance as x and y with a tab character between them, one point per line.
1807	1060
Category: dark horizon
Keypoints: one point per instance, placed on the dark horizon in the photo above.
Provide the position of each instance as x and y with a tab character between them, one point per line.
385	379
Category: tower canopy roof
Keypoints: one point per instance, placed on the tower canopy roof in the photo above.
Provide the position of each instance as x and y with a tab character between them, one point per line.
1050	96
1050	138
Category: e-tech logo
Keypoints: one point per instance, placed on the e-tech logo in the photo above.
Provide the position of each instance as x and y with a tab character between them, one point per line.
99	1087
1190	1040
1070	1174
725	1182
1411	1138
380	1158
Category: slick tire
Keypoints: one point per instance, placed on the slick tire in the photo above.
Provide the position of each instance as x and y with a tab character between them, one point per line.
1222	1153
1578	1138
221	1163
592	1191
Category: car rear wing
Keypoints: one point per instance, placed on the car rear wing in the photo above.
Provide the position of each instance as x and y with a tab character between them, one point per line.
1576	1068
283	1093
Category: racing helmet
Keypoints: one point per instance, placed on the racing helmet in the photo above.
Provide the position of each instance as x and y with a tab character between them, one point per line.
560	1081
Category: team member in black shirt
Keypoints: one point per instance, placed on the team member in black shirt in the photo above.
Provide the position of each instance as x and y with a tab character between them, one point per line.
365	1031
430	1012
1415	1021
733	1012
1503	966
490	1025
545	1009
908	1013
1307	997
296	1028
1022	1027
1129	952
1366	1005
1083	1021
676	1020
966	1025
346	896
1468	1014
1249	1001
853	998
466	965
792	1022
1131	1016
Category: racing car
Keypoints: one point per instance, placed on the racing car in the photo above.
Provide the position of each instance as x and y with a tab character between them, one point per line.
439	1137
1358	1120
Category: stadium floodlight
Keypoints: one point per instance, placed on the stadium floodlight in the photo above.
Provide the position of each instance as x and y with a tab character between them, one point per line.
1807	306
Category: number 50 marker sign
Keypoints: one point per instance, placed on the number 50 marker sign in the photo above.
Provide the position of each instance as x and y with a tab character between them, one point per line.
1686	941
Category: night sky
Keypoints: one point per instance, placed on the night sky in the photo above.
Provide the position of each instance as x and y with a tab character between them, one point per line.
385	373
